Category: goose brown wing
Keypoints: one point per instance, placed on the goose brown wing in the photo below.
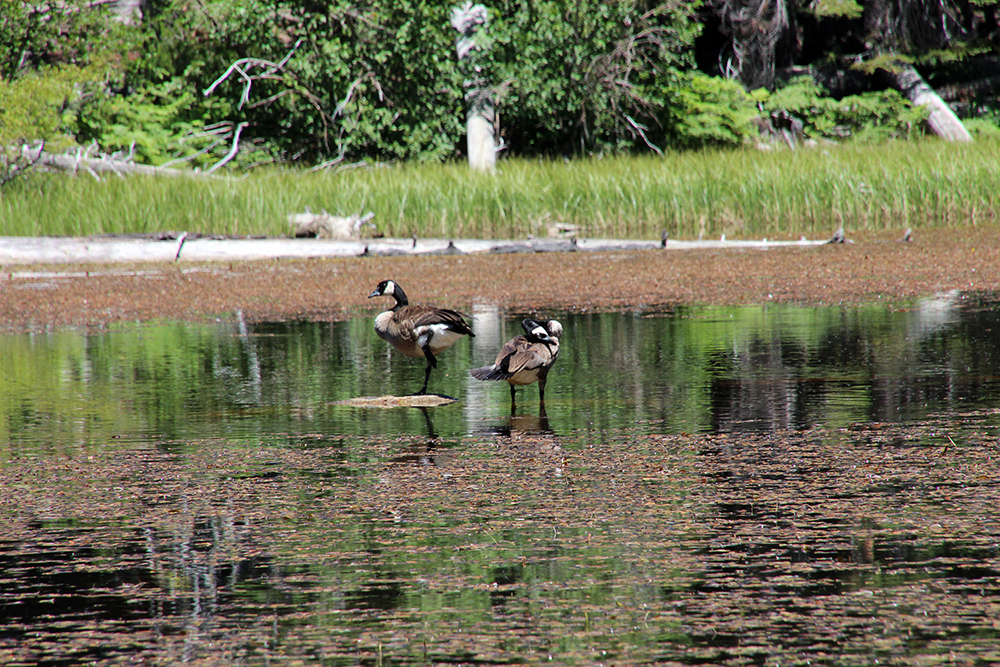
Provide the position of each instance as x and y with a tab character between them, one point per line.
527	356
427	315
518	354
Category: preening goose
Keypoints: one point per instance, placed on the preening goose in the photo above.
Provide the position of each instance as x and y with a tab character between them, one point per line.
418	331
527	358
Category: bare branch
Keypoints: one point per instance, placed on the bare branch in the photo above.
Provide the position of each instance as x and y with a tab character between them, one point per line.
232	151
249	63
641	130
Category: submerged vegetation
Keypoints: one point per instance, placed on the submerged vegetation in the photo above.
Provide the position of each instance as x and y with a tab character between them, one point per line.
741	193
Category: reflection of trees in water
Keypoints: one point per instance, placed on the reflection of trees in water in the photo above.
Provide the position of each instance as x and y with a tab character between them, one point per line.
197	563
96	591
763	388
856	369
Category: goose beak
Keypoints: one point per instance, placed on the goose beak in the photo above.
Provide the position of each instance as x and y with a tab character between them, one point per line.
375	293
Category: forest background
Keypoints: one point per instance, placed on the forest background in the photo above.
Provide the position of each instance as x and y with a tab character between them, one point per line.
380	80
342	83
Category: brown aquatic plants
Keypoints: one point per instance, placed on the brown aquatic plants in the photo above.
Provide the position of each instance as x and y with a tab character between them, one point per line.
873	268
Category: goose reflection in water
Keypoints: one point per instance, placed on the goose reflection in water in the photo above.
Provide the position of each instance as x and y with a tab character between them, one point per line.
428	454
523	424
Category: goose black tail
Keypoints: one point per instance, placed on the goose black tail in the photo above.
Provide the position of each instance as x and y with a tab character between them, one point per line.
489	373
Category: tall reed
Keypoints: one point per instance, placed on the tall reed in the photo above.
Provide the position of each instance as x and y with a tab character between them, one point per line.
743	193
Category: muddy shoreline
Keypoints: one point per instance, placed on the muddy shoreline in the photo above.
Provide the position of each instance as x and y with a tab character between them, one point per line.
874	268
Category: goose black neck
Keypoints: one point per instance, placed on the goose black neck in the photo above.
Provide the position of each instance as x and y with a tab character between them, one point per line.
400	296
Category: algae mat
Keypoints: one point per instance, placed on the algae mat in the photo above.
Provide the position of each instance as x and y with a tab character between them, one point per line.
872	544
873	269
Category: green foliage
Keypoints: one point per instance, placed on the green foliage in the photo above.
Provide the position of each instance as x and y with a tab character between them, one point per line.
72	32
155	124
586	75
986	127
890	62
41	107
376	81
708	111
743	193
33	107
870	116
381	80
837	8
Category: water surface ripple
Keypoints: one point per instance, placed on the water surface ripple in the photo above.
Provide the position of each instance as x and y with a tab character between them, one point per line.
737	486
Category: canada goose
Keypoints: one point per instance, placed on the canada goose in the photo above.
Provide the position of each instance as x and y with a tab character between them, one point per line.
527	358
418	331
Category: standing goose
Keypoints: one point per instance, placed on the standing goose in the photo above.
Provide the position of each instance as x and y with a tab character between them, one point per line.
527	358
418	331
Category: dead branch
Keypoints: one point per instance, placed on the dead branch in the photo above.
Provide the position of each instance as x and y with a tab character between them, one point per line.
273	71
232	151
79	160
240	66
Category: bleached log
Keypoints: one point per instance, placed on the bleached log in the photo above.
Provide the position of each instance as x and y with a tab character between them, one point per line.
185	248
106	165
325	226
942	120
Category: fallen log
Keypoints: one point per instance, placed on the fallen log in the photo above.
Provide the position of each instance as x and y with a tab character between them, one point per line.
326	226
106	165
192	248
942	120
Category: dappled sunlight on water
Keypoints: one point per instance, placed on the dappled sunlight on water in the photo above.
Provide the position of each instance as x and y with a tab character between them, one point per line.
703	486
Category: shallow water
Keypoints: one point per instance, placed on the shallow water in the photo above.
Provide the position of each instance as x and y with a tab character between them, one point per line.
696	370
770	485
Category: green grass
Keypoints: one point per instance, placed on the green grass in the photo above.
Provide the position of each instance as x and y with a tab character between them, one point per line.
740	193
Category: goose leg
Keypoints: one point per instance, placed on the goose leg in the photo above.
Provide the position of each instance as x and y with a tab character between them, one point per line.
427	376
431	363
541	390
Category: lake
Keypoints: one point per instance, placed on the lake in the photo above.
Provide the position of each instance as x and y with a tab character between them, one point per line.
705	485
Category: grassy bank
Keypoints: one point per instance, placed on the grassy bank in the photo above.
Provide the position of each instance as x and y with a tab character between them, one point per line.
738	193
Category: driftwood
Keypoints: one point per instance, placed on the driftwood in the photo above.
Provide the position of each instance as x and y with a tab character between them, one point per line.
558	230
418	401
80	160
942	120
779	127
325	226
105	165
183	247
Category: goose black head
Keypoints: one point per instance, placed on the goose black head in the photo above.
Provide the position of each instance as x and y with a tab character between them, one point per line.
390	288
535	331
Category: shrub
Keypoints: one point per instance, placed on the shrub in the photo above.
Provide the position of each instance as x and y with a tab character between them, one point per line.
708	111
40	108
870	116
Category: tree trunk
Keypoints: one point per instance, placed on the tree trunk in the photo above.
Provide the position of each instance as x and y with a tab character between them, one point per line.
481	142
942	120
470	21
